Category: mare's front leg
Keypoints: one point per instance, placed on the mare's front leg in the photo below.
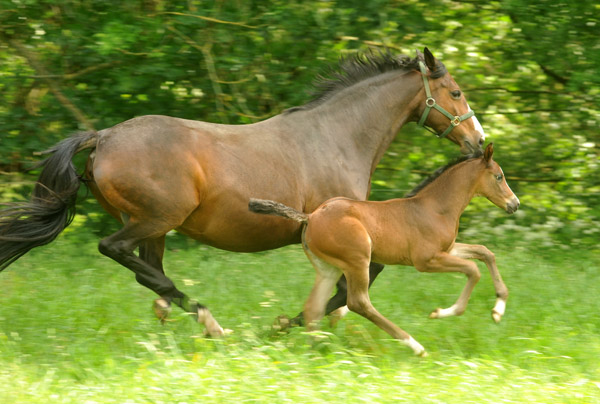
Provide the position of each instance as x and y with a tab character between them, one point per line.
120	246
444	262
152	252
481	253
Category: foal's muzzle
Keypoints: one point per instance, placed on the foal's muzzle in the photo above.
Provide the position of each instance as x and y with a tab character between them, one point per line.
512	205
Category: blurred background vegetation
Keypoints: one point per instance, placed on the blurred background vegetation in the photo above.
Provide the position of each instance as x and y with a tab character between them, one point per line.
529	70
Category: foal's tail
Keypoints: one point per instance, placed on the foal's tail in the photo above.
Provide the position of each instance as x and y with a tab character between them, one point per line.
24	226
266	207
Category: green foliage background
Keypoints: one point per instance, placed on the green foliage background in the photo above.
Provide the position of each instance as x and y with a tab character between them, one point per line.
528	70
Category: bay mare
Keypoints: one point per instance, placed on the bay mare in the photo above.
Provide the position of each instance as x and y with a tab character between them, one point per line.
158	173
344	236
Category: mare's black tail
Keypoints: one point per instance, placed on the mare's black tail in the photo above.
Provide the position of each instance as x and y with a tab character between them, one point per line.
24	226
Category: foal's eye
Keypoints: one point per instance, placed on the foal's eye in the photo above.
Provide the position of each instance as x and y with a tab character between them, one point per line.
455	94
499	177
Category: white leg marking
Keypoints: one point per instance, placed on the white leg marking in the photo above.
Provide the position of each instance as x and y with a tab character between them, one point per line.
212	327
415	346
442	313
337	315
498	310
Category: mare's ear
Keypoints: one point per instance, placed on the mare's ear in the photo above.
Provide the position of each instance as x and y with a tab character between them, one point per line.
489	151
430	61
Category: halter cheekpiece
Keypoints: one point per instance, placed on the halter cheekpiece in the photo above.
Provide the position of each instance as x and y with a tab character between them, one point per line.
455	120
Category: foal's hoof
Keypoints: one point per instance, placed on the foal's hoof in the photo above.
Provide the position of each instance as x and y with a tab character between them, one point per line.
162	309
498	310
336	315
282	323
496	316
435	313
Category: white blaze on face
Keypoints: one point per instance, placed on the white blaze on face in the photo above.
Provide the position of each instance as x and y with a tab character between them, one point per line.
477	124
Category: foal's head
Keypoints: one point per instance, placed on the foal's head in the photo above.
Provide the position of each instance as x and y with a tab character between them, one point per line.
492	183
454	122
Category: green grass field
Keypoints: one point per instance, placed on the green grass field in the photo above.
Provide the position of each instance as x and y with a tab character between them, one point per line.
76	328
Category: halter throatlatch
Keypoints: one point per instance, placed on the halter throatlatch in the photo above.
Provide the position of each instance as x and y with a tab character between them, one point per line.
430	103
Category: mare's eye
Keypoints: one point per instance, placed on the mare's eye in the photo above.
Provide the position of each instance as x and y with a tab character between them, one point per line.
455	94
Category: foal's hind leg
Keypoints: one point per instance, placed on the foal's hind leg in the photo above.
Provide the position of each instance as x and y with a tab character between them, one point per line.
120	246
481	253
336	306
359	302
326	277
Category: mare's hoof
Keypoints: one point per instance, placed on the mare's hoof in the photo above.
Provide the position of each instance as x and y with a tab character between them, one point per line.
213	329
162	309
217	333
282	323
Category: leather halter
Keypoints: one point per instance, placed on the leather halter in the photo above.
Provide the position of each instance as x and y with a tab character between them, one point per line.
455	120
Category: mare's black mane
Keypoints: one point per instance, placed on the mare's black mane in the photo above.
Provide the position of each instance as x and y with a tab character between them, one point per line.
358	67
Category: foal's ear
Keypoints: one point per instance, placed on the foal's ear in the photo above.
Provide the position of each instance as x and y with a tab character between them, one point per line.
489	151
430	61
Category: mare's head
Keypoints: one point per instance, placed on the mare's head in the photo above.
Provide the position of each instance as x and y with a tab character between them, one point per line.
445	109
492	183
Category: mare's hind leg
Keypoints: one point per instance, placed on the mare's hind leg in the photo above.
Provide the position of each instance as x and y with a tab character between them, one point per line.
481	253
120	246
444	262
357	276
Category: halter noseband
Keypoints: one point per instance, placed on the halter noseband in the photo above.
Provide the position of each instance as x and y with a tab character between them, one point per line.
430	103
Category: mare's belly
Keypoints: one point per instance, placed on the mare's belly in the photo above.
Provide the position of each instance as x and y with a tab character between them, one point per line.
240	231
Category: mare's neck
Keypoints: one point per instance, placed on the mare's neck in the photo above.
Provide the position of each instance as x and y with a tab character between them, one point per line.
363	119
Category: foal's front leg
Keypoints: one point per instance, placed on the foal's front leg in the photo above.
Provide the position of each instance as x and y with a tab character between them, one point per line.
444	262
481	253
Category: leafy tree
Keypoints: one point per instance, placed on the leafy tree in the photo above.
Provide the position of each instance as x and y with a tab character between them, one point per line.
527	69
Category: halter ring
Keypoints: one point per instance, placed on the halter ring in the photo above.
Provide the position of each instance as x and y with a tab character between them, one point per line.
430	103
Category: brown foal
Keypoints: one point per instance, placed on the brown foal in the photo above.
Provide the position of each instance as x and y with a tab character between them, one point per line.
343	235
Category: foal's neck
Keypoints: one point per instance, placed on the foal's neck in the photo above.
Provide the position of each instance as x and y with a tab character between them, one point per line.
452	191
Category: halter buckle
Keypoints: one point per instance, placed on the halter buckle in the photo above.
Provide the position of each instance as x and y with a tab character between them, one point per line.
456	121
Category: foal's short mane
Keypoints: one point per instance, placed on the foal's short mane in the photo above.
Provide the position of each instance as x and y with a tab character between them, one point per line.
440	171
358	67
